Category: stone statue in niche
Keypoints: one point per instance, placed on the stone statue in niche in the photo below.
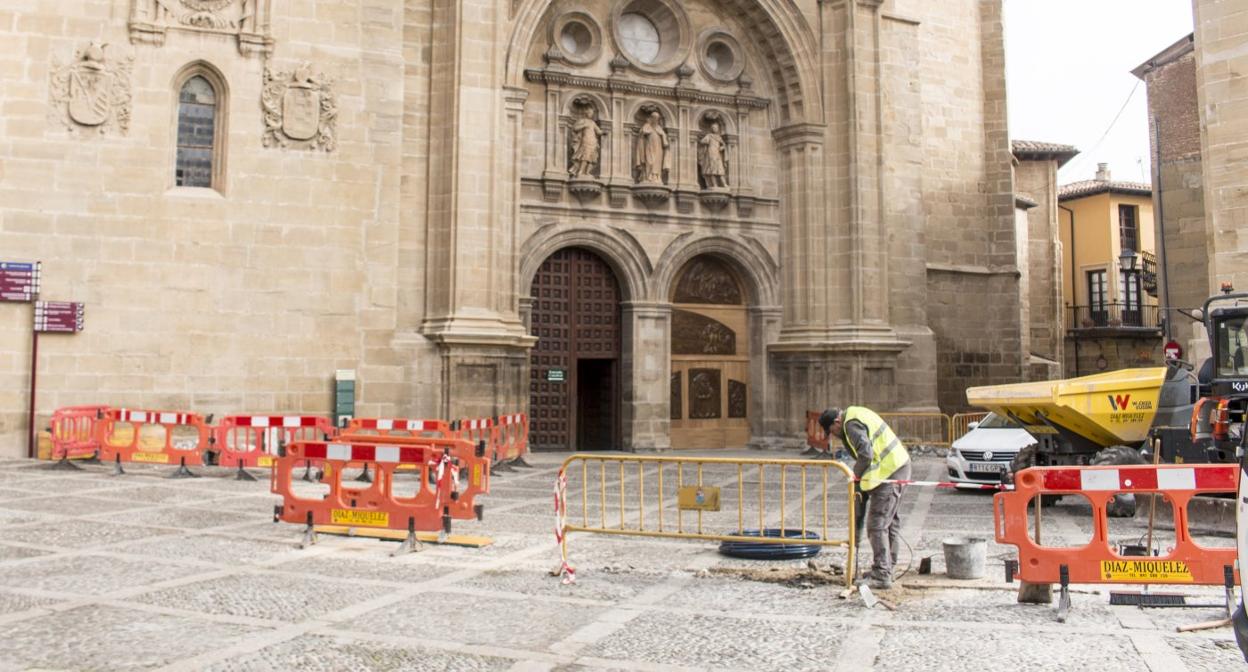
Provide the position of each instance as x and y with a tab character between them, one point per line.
713	159
585	138
653	160
299	107
92	90
150	20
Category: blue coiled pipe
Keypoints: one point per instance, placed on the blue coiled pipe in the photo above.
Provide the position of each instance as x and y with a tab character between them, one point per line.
768	551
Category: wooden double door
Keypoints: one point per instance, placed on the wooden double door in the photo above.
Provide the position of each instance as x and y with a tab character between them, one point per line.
574	373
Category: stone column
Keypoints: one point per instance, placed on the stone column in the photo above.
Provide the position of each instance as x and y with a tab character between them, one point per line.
1221	61
646	366
472	298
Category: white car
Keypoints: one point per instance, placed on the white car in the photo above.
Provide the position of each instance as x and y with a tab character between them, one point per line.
983	454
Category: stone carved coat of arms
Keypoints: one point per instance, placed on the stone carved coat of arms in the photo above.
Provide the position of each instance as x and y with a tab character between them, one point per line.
92	91
299	108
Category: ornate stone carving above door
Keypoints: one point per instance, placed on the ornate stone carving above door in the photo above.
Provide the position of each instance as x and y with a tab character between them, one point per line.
299	109
92	91
694	334
245	20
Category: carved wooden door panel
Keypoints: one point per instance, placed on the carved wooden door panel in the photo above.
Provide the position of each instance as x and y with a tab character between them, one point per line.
576	318
710	359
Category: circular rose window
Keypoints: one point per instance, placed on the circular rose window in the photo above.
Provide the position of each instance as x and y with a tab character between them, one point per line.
575	39
640	38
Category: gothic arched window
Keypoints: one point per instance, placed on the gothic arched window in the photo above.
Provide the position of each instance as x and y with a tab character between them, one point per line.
201	131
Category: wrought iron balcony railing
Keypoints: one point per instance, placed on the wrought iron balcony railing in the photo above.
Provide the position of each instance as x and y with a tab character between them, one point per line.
1114	316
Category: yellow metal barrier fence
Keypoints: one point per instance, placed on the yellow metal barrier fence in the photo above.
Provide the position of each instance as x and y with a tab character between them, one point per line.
660	510
962	422
928	429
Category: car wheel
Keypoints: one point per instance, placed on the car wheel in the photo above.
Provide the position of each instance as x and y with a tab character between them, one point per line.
1122	505
1025	459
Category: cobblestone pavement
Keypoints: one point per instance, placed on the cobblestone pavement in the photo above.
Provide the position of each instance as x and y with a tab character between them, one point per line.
140	572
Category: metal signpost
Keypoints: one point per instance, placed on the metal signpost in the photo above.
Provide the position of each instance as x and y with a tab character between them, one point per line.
54	317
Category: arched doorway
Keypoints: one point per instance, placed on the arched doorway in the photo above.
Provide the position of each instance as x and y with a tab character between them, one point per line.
574	373
710	357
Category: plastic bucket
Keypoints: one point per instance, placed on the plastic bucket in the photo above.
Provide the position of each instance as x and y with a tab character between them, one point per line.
965	557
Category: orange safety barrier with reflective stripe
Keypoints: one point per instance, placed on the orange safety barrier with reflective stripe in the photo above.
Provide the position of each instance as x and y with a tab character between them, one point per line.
436	493
253	440
1098	561
513	438
75	432
181	438
397	427
477	430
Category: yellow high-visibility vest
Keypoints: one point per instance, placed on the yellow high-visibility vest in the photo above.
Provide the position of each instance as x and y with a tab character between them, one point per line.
889	454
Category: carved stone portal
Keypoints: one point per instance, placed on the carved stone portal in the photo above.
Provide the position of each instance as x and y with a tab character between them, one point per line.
92	91
247	20
299	109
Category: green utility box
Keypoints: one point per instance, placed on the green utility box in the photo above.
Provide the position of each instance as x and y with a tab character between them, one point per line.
344	396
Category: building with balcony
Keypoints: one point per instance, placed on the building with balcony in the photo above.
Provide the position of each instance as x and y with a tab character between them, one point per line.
1109	275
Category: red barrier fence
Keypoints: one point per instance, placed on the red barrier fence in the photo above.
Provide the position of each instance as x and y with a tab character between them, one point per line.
182	438
513	439
253	440
397	427
75	432
435	496
1099	561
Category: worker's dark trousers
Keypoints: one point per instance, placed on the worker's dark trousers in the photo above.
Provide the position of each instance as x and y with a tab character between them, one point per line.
883	511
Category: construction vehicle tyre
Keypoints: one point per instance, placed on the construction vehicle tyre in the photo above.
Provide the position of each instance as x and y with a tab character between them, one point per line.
1122	506
1025	459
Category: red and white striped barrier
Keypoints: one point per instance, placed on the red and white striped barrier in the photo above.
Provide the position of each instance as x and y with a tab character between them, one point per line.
1145	478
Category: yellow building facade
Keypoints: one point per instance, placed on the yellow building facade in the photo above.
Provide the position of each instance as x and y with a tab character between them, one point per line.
1109	276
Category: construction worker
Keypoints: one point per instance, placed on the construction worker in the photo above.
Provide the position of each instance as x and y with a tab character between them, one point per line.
878	456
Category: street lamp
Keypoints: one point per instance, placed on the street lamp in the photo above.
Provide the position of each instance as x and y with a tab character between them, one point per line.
1126	260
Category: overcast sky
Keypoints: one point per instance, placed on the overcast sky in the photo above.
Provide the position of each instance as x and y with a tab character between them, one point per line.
1068	70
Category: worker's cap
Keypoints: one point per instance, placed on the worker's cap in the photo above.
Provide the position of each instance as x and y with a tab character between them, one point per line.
828	417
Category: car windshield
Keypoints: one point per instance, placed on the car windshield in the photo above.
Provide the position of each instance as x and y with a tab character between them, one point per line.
994	421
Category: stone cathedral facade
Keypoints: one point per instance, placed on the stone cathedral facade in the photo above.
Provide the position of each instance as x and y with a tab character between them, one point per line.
650	224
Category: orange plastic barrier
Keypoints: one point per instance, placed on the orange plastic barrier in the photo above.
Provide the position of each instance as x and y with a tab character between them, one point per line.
75	432
513	439
397	427
1098	561
476	430
253	440
186	452
438	495
815	438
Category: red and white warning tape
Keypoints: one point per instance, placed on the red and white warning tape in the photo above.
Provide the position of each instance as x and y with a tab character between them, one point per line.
951	484
561	518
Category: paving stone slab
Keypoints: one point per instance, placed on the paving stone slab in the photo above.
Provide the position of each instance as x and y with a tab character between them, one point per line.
70	505
1201	654
11	603
224	550
111	638
18	553
747	597
10	518
597	552
375	565
749	643
474	619
318	653
87	574
156	493
910	649
997	606
279	598
81	534
159	515
608	585
512	522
